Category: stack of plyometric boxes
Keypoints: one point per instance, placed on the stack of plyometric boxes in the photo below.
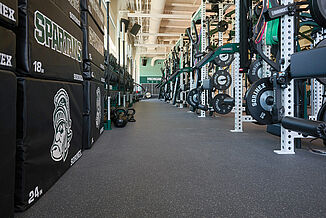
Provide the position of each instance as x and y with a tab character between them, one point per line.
8	90
92	19
49	97
52	88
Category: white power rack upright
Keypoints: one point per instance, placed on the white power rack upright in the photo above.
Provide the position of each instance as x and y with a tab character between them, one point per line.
204	69
182	93
238	82
287	49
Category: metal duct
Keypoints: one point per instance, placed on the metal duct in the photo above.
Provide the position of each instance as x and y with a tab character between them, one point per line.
157	7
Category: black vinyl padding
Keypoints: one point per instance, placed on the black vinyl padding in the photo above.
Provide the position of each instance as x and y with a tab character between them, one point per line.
93	7
9	13
62	62
306	127
8	90
49	135
93	72
7	49
308	64
93	112
93	41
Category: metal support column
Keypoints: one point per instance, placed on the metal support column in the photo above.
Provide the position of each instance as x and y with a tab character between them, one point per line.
220	18
119	98
171	72
287	49
204	69
182	74
267	52
238	83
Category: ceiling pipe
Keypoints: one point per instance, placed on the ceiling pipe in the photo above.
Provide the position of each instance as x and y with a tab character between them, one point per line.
160	16
161	34
157	7
154	45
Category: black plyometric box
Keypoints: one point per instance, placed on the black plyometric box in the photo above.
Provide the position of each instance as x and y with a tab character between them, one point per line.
49	135
9	13
93	41
8	90
93	127
7	49
94	9
49	44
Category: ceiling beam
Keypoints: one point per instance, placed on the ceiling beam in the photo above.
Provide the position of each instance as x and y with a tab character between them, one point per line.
162	16
195	2
160	34
153	53
173	26
174	11
154	45
185	5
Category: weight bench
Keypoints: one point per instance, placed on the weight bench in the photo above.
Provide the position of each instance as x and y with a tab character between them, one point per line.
308	64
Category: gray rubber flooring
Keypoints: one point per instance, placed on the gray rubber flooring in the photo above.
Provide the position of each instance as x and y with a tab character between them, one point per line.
171	163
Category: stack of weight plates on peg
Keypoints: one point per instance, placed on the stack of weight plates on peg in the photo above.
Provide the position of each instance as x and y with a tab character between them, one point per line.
92	21
8	90
49	95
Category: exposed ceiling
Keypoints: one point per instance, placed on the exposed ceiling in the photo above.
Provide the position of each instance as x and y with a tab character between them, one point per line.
162	22
177	25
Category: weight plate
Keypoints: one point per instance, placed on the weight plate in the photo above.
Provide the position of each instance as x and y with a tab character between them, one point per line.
223	26
322	113
318	11
222	80
256	71
224	60
220	106
193	98
260	101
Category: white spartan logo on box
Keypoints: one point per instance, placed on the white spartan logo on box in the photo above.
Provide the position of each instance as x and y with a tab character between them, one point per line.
98	108
62	126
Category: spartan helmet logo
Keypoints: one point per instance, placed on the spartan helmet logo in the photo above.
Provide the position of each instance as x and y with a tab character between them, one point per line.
98	108
62	126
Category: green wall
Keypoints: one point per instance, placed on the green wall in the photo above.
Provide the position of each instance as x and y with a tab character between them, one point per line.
150	74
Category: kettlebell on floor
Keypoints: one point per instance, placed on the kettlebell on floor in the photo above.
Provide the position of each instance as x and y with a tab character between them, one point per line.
121	116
